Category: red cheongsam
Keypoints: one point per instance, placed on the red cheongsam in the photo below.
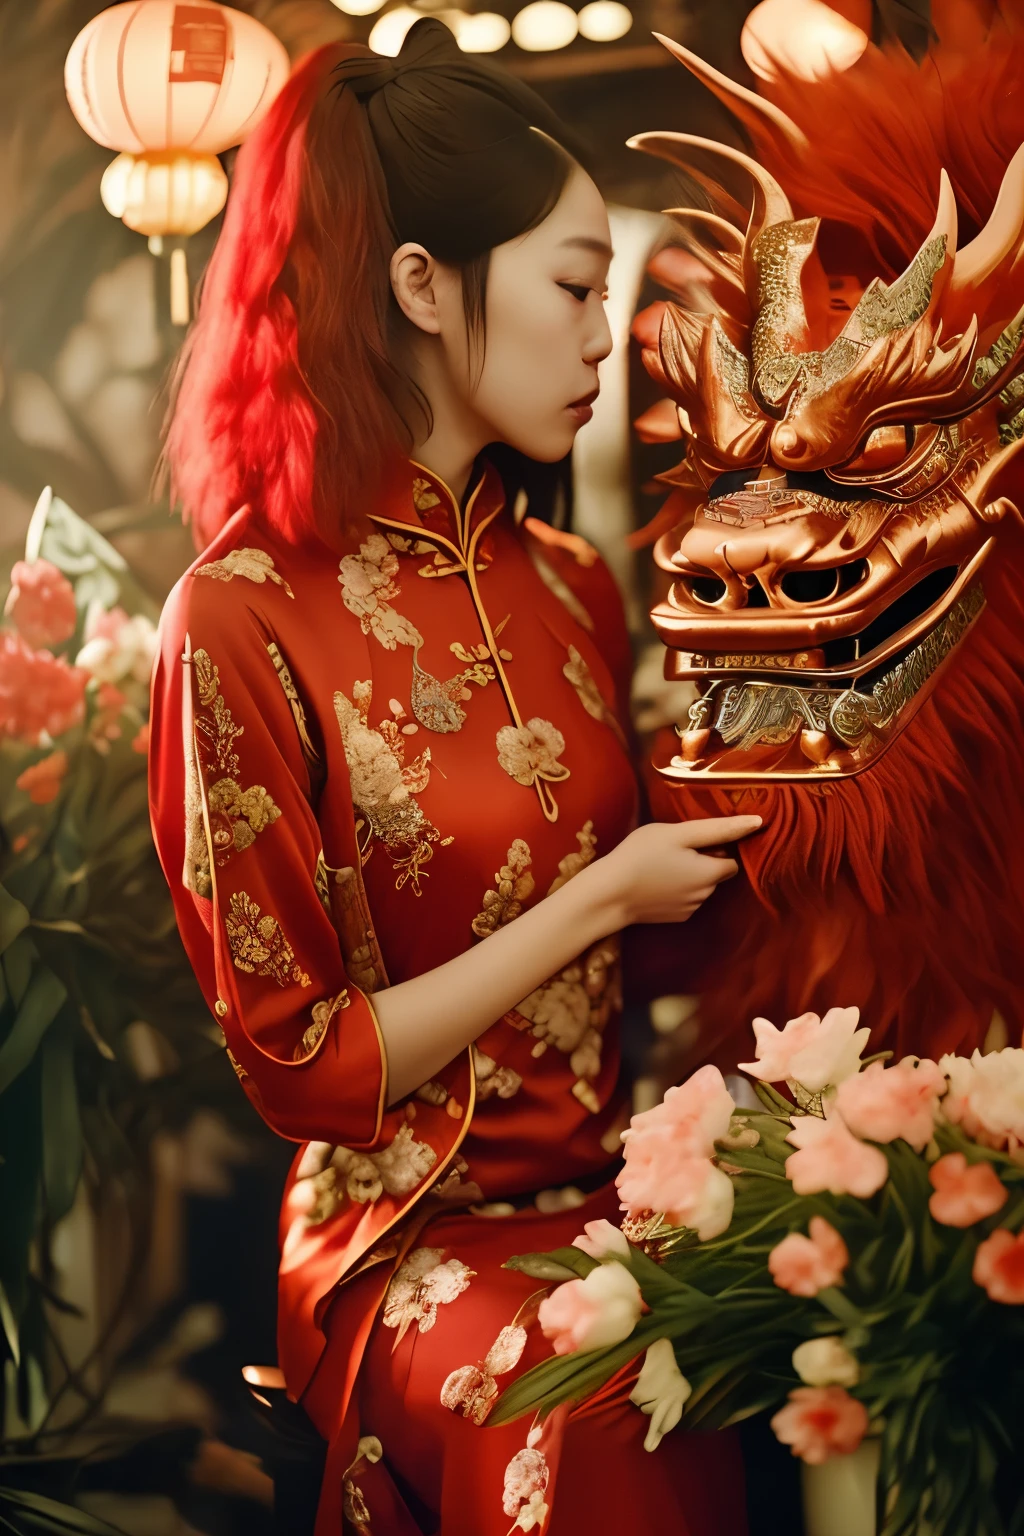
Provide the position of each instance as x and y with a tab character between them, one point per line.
361	766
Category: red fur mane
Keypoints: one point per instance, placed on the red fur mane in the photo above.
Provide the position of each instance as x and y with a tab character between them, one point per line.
900	890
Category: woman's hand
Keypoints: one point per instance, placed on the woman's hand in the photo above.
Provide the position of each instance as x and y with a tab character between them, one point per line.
658	874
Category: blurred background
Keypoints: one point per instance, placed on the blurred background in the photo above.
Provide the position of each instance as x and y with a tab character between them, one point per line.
138	1190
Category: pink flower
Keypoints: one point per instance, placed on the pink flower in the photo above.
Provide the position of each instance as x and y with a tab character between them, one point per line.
831	1158
603	1309
140	741
803	1266
42	781
986	1097
39	692
118	648
999	1267
697	1113
41	603
660	1175
819	1422
883	1104
668	1153
964	1193
816	1053
601	1240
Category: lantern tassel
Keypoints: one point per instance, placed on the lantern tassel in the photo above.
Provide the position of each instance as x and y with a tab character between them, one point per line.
179	287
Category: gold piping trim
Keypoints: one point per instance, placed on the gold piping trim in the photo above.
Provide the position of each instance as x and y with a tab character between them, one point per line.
436	1174
383	1099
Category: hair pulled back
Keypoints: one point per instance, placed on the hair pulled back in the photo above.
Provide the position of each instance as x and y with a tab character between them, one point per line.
287	395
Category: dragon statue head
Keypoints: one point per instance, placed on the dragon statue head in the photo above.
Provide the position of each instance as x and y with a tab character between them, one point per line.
851	396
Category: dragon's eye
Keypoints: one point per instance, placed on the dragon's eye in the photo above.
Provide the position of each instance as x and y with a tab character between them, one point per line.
882	449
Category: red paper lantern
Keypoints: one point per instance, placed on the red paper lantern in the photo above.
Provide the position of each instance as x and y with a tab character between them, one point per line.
171	86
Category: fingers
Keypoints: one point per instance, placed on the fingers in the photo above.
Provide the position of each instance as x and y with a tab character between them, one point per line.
722	869
717	829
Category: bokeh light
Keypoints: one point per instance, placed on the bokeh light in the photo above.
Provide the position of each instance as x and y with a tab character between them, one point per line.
803	37
388	33
358	7
482	32
544	26
603	21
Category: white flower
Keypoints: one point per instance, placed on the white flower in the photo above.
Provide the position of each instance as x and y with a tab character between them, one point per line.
117	647
986	1097
593	1313
825	1363
661	1391
816	1053
533	1513
602	1241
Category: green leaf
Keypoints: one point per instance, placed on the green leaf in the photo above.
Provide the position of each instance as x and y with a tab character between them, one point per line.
62	1126
9	1323
540	1266
40	1005
14	917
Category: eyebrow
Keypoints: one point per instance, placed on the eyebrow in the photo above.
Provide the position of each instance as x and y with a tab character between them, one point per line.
588	243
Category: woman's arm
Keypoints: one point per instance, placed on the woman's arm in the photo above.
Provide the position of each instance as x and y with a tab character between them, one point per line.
655	875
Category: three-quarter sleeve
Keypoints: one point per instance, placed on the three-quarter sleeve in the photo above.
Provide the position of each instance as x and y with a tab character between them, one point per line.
239	841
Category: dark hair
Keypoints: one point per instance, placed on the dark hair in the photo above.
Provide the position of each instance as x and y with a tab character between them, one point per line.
288	395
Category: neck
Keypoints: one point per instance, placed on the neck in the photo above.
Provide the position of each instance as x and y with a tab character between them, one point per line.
457	434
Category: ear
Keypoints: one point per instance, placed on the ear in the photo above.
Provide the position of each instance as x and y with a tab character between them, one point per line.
413	279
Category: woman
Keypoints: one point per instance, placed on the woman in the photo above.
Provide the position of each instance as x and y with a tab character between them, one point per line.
393	717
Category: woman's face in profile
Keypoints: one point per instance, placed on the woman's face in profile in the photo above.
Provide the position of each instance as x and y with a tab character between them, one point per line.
546	329
529	378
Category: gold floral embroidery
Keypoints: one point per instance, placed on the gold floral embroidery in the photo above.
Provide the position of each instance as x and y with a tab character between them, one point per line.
423	495
384	787
322	1013
571	1009
473	1388
529	754
328	1176
354	1508
254	564
526	1480
368	583
291	693
258	944
421	1285
577	672
578	859
409	546
493	1081
514	884
236	815
435	703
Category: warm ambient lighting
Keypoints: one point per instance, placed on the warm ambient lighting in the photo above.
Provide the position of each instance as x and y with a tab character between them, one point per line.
388	33
544	25
604	21
358	7
154	75
482	32
802	37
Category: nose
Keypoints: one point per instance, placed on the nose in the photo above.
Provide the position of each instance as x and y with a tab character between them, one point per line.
598	343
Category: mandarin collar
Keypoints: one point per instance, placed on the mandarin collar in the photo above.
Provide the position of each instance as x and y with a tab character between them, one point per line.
418	498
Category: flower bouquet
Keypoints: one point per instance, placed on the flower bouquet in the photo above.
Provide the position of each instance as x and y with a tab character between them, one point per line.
89	950
851	1260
